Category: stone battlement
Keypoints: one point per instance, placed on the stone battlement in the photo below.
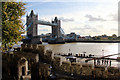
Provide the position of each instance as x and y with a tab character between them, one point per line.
38	61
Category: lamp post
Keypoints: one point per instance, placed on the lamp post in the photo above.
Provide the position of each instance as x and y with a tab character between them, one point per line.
103	51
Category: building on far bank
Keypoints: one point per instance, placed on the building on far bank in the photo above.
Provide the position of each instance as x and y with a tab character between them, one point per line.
88	37
104	37
71	36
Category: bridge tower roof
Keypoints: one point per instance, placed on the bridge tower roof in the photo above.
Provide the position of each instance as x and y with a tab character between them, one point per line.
32	13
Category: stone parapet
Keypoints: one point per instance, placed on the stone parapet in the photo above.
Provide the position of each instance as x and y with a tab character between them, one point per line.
99	70
66	66
86	70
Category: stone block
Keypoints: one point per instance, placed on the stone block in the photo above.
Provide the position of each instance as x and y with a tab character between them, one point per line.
76	68
49	53
41	49
86	70
35	46
57	61
113	72
23	46
66	66
99	71
29	46
105	74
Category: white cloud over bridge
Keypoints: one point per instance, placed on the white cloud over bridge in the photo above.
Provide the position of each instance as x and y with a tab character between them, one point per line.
84	18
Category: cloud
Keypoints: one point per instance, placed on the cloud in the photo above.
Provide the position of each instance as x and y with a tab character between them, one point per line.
66	19
114	29
91	18
114	17
86	28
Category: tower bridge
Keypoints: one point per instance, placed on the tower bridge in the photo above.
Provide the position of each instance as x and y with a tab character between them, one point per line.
32	27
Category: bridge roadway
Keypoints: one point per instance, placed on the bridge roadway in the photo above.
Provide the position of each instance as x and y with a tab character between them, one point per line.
47	23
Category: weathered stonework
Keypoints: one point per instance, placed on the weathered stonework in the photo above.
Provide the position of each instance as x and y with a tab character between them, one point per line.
33	62
21	62
66	66
57	62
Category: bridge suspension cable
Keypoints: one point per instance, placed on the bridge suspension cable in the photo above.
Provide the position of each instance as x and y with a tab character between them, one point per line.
62	31
29	26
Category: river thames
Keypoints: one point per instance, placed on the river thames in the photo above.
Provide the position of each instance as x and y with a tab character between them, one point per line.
97	49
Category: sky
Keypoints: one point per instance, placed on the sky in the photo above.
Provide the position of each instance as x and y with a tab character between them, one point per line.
82	17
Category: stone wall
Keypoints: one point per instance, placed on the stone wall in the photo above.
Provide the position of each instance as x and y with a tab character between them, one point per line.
88	70
40	71
56	62
13	62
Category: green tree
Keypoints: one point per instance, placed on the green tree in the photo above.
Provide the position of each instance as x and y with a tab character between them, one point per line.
114	36
12	26
110	38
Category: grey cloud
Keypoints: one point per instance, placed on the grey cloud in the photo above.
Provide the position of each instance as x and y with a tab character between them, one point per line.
86	27
78	29
82	28
95	30
100	26
114	29
66	19
92	18
114	17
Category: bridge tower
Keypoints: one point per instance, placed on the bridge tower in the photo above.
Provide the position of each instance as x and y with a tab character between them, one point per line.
32	21
56	29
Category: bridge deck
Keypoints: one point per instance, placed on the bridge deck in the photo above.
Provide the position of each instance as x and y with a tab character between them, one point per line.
46	23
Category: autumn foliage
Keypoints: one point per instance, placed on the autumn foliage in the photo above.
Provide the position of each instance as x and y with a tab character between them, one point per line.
12	26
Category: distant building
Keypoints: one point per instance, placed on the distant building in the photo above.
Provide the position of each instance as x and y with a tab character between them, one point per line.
104	37
88	37
77	37
81	38
71	36
46	37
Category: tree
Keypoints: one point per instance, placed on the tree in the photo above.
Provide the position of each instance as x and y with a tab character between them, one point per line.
12	26
114	36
